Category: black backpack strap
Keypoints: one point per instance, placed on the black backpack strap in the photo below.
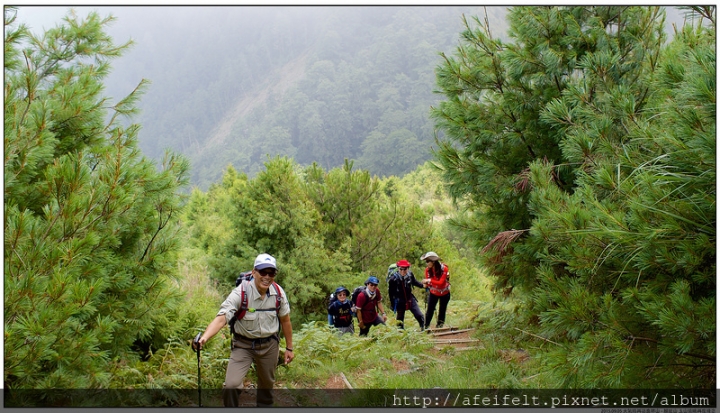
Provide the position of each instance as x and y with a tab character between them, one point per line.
278	301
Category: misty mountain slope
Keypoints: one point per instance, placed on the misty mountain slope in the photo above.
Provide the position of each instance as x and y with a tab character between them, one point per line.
289	75
355	82
236	84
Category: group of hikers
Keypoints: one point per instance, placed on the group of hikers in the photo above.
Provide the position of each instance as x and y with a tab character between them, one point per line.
257	308
365	304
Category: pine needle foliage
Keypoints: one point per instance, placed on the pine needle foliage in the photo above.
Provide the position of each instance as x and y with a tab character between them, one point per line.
596	138
638	286
90	224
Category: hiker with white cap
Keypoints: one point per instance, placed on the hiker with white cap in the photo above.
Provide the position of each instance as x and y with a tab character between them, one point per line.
255	309
437	278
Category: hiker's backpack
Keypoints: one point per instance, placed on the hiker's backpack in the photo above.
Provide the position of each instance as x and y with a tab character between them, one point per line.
355	294
244	276
243	279
331	299
395	286
392	269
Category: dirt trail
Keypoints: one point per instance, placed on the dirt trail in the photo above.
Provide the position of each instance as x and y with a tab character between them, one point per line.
458	339
442	338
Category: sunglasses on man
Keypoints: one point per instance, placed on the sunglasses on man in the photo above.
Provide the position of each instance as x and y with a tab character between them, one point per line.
268	273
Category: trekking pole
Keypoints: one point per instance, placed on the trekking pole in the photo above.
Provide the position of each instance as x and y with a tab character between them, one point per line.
196	344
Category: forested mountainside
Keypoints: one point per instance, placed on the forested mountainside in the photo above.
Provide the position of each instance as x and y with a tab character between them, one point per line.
230	85
316	84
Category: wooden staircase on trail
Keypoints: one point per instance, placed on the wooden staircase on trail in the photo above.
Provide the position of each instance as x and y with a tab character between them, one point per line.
459	339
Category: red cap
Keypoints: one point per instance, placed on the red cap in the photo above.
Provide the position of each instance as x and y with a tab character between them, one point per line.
403	263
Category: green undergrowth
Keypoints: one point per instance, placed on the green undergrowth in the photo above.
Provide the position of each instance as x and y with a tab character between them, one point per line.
323	353
388	358
408	359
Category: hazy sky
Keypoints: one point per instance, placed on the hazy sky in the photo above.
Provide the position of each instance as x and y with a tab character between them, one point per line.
40	18
44	17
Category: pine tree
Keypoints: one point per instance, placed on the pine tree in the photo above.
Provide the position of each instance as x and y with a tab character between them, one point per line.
375	222
603	207
89	221
630	262
491	122
325	228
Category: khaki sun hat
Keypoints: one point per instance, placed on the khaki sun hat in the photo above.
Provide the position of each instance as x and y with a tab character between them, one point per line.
432	256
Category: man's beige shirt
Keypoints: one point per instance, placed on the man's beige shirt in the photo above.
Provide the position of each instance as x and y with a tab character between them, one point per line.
258	324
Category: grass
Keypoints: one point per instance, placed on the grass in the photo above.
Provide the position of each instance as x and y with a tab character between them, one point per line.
407	359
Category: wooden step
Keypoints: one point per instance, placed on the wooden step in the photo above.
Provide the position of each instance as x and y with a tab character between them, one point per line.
455	341
462	348
345	380
434	330
449	333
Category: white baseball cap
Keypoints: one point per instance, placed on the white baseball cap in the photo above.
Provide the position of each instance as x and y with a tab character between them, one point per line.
265	261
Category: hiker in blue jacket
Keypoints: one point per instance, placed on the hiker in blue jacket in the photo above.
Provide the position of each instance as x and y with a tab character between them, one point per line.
341	311
400	286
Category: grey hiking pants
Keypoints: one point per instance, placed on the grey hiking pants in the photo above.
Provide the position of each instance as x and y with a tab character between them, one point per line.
244	354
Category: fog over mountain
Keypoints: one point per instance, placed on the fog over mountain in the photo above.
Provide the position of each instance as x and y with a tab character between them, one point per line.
234	85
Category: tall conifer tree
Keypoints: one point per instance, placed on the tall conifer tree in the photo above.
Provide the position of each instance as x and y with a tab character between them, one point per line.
585	152
88	220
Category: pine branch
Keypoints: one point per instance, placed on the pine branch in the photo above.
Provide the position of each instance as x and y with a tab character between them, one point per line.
377	244
503	239
652	340
537	336
160	227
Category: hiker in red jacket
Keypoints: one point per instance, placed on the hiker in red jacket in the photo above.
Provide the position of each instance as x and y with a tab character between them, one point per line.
437	278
